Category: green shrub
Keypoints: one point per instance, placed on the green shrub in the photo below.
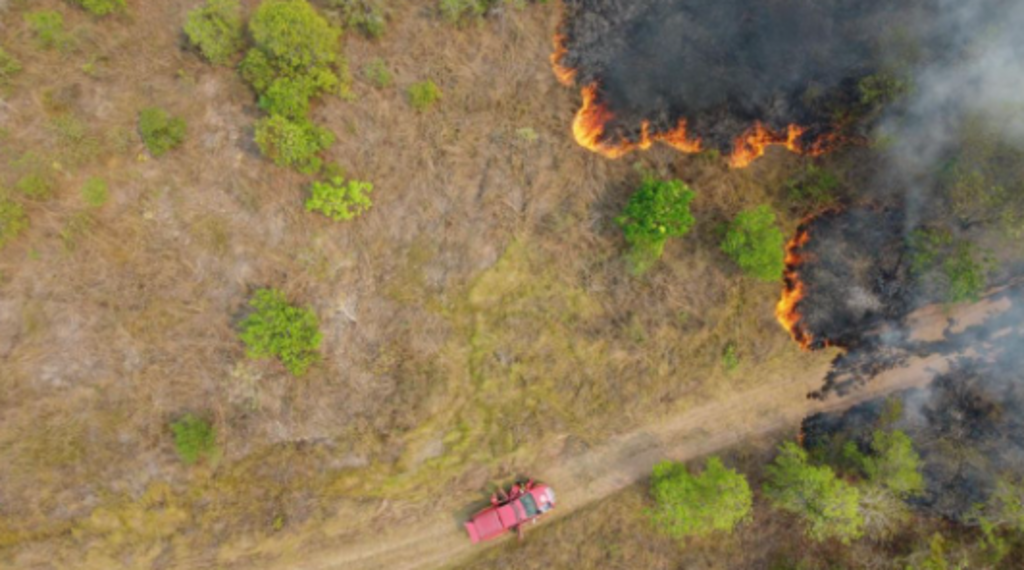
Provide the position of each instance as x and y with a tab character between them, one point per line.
194	439
101	7
279	329
294	41
827	505
216	29
366	16
76	144
95	192
377	73
38	184
756	244
48	28
698	505
423	95
657	211
13	220
340	200
288	97
293	143
966	273
160	132
814	188
730	357
9	67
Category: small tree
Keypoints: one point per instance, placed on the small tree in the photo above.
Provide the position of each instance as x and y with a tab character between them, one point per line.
216	29
828	505
194	439
293	143
278	329
161	132
966	271
340	200
894	464
755	243
48	28
657	211
292	40
696	505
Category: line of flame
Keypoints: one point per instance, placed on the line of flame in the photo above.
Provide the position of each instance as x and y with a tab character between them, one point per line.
793	291
593	116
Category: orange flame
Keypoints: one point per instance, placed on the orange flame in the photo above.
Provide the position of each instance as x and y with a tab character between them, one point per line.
787	311
593	116
566	75
752	144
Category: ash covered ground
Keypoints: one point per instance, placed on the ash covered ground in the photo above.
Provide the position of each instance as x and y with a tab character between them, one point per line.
854	272
968	424
725	64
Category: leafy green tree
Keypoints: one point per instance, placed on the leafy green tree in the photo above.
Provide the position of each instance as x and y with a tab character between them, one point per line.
340	200
101	7
424	95
194	438
160	131
894	464
657	211
696	505
966	272
755	243
216	29
294	41
288	98
278	329
828	505
293	143
13	220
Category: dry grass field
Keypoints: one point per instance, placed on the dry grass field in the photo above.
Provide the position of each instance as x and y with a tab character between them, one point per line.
481	312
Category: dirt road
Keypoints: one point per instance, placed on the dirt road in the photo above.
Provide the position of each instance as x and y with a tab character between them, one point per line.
603	470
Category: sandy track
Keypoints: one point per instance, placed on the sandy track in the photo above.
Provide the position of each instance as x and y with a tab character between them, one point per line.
625	459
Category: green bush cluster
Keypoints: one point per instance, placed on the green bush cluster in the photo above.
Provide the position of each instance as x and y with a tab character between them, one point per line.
423	95
278	329
160	131
756	244
294	59
339	199
216	28
715	500
13	220
194	439
366	16
9	67
657	211
293	144
101	7
48	28
38	184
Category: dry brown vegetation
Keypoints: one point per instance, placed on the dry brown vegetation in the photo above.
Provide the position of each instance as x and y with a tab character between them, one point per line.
480	309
